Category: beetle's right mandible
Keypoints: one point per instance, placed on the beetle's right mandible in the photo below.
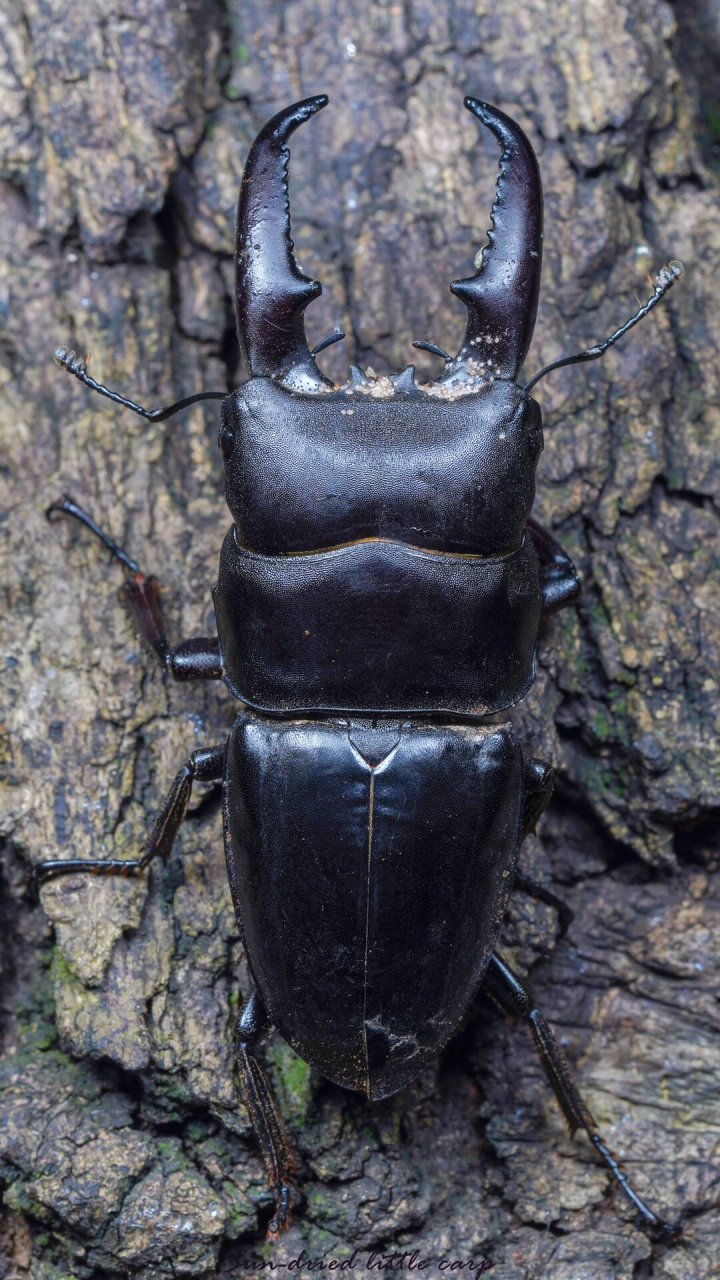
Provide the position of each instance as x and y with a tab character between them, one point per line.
271	292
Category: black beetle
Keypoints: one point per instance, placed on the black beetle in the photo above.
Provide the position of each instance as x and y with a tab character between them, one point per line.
378	604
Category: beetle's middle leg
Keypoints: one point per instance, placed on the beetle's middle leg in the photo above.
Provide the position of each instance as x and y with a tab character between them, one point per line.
514	998
538	790
196	659
206	765
278	1157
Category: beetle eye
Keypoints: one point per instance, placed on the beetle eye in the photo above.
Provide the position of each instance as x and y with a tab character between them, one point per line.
226	440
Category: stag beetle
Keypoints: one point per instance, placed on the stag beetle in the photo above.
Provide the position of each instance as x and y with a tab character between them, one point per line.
378	603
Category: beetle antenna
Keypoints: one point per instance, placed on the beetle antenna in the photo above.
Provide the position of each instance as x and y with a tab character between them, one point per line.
337	336
77	366
434	351
664	281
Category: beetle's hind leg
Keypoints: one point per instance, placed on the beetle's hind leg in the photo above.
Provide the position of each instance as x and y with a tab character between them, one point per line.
196	659
509	993
278	1157
533	889
206	765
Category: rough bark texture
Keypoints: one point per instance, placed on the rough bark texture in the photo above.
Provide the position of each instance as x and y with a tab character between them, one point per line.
123	132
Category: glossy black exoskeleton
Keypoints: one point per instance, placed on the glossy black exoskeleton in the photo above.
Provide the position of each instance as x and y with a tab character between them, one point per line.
378	603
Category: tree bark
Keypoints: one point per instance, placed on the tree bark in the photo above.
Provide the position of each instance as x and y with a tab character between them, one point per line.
124	1149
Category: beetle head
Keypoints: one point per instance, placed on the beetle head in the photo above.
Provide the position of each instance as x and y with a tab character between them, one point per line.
500	299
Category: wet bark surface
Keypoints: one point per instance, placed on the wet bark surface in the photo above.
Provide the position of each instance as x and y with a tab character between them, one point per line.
124	1149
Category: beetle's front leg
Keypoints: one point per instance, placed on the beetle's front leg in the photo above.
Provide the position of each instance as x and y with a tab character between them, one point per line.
514	998
559	579
278	1157
196	659
206	765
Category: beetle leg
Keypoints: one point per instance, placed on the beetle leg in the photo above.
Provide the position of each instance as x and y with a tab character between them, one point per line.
206	765
538	790
196	659
278	1157
514	998
533	889
559	580
538	782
